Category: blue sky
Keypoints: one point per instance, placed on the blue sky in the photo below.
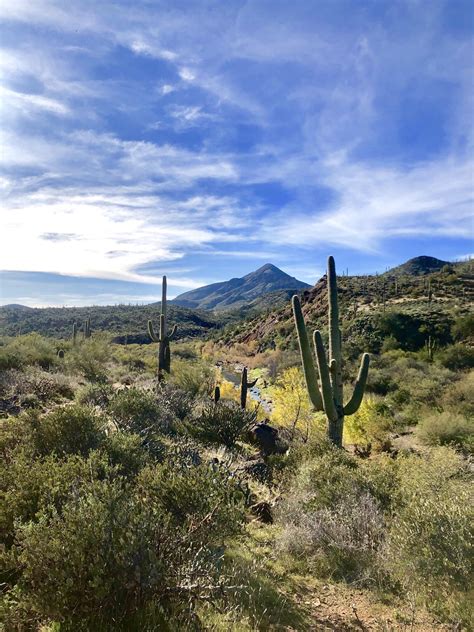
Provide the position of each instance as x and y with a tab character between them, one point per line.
204	139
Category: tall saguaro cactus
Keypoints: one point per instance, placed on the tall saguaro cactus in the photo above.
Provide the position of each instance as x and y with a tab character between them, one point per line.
244	386
327	393
74	334
163	339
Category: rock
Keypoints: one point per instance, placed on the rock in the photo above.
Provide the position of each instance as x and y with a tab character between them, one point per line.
267	439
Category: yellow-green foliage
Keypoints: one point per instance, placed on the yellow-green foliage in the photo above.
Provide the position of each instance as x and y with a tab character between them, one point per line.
291	405
368	425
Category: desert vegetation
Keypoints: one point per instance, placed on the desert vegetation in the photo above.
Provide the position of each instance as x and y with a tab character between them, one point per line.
220	482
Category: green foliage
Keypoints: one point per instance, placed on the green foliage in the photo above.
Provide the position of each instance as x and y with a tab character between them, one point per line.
135	410
223	423
90	358
132	550
30	349
459	357
95	394
430	541
447	428
196	378
73	429
463	327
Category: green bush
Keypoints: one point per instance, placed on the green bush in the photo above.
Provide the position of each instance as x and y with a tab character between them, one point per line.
332	518
196	378
429	549
458	357
136	410
459	396
447	428
72	429
179	402
223	423
94	395
90	358
136	555
29	485
30	349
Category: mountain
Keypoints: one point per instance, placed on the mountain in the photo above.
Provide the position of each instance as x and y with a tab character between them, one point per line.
240	291
17	306
418	266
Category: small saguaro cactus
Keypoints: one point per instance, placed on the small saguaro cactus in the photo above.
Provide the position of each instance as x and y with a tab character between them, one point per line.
244	386
87	328
163	340
430	346
74	334
327	394
217	394
430	292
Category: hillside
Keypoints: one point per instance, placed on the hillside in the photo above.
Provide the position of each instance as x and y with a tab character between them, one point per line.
240	291
364	298
127	322
418	266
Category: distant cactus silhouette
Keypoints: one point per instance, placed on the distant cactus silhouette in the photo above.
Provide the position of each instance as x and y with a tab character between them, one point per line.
327	395
163	340
87	328
244	386
74	334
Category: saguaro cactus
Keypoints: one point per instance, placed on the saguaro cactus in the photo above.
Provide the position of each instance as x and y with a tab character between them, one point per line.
163	340
430	346
87	328
244	386
74	334
217	394
327	394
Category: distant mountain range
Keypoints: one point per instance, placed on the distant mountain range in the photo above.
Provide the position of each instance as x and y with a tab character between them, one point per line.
240	291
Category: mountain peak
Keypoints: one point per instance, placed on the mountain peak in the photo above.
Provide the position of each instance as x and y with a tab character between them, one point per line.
240	291
423	264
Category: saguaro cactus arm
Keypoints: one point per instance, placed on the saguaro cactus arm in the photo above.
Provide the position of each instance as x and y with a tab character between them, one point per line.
355	401
323	368
151	332
306	356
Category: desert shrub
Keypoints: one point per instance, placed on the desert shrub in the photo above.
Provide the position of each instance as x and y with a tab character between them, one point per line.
135	410
95	394
370	425
29	485
9	359
458	357
30	349
463	327
129	548
447	428
179	402
429	548
331	517
459	396
72	429
89	359
342	541
196	378
128	453
223	423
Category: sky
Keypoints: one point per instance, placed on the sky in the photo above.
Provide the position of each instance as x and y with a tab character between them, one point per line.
203	139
